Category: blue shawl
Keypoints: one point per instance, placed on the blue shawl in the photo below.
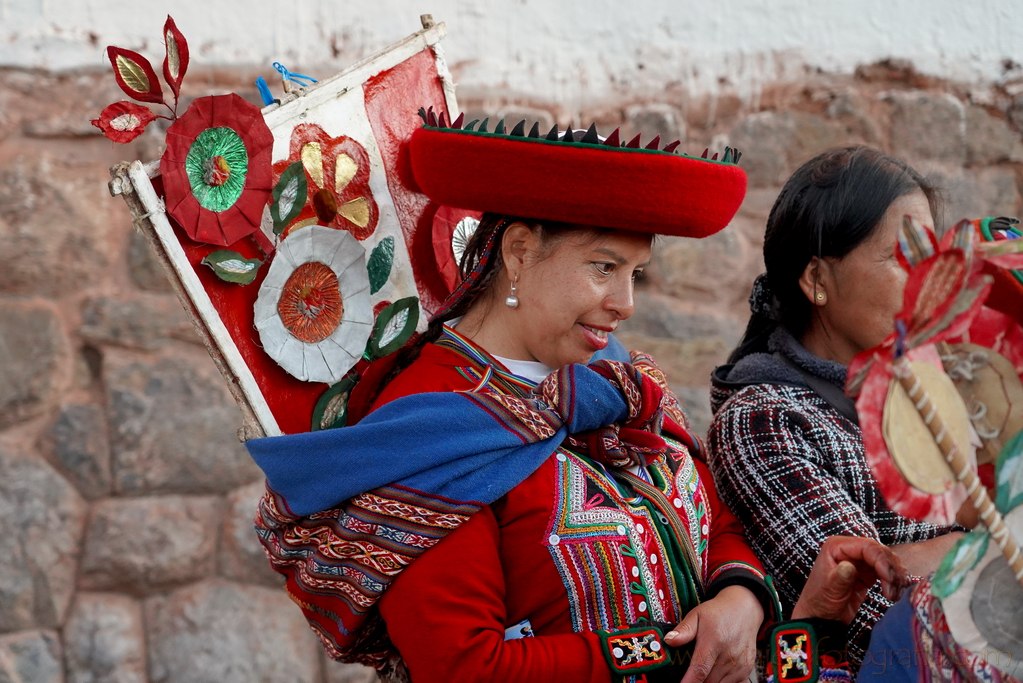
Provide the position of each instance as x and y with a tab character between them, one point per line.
347	509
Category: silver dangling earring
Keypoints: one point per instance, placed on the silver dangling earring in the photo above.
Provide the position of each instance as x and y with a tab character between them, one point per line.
512	300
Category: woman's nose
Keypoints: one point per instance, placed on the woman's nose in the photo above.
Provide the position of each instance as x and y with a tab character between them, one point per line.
621	300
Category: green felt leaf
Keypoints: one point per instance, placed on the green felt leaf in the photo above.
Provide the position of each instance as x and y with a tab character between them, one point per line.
379	264
331	410
963	557
230	266
1009	475
288	196
393	327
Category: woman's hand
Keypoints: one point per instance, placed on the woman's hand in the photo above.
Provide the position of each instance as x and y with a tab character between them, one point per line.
725	632
845	569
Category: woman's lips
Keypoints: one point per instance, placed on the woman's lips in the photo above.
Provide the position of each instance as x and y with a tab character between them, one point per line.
595	336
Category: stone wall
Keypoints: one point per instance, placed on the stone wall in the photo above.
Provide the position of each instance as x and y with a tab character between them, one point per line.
128	553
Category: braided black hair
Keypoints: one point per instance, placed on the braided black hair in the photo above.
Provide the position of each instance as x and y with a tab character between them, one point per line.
482	254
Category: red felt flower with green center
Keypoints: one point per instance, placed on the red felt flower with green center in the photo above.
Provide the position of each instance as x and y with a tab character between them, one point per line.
216	171
337	171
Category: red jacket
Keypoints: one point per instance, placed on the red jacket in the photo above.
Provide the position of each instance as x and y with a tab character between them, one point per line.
569	551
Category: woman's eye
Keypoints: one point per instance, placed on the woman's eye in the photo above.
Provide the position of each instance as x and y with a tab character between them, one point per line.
604	268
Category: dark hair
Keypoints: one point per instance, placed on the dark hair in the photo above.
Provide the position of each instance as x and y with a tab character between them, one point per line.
480	264
829	206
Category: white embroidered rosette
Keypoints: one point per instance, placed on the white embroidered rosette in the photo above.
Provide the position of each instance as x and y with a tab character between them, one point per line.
313	312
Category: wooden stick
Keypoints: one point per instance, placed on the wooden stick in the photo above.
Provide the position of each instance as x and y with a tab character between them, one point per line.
121	184
957	461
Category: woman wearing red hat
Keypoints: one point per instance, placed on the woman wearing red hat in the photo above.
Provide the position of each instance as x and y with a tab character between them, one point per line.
505	511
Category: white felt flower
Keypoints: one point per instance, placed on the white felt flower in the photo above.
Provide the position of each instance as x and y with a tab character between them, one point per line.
313	311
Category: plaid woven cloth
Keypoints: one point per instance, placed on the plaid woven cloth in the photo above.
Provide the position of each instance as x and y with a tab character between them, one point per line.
793	470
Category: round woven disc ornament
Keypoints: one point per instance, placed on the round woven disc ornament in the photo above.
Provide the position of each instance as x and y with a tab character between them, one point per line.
992	391
909	440
983	613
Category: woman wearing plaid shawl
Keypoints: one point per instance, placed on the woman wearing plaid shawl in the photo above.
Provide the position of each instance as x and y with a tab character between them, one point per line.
785	445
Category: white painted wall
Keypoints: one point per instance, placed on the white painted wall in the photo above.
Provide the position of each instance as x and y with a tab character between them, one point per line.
566	50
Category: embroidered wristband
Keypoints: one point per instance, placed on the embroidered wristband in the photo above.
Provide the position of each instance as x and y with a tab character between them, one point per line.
634	650
796	648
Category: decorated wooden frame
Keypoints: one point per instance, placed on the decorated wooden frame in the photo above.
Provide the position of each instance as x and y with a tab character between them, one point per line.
294	278
943	393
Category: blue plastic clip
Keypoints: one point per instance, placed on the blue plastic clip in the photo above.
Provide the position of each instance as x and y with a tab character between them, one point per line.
900	338
300	79
264	92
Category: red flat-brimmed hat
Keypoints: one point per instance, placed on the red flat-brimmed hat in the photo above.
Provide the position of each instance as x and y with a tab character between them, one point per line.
575	177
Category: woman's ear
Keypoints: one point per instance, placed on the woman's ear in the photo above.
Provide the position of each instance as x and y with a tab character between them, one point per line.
812	281
518	242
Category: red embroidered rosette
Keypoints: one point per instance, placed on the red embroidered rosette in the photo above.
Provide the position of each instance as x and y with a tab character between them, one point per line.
217	175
